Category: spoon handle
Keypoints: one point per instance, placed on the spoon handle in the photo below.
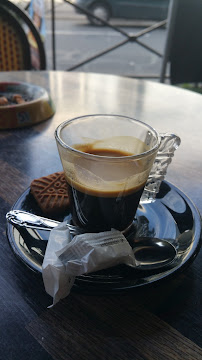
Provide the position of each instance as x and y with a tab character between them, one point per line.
26	219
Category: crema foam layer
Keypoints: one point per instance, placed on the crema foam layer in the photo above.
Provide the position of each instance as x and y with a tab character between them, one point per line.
108	177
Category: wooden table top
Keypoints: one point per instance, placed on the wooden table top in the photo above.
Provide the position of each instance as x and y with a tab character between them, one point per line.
162	321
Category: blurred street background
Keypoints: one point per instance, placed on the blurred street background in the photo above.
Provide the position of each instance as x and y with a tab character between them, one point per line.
76	40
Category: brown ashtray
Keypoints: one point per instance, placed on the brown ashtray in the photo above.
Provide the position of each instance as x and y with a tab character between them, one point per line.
35	105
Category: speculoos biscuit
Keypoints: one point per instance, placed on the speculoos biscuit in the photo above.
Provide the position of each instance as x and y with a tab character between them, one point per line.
51	193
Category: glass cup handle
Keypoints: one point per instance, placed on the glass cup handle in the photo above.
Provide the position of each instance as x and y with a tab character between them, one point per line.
169	143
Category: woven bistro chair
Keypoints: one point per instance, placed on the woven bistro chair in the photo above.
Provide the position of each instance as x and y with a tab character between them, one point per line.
21	46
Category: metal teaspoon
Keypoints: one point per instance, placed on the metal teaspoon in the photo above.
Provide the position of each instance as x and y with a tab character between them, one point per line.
150	253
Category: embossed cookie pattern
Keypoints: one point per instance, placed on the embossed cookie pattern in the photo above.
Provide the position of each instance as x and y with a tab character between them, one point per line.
51	193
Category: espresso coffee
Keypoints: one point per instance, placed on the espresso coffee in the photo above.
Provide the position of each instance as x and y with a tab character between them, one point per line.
97	213
104	196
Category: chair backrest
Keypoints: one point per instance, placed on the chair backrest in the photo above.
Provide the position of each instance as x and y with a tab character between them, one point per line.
21	46
13	44
183	49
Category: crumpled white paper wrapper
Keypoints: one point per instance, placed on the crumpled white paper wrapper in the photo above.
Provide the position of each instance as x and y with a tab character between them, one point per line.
65	258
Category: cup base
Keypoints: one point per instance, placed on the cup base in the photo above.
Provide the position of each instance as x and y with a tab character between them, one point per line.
130	230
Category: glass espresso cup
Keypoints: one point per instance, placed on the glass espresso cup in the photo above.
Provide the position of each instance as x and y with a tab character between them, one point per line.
106	160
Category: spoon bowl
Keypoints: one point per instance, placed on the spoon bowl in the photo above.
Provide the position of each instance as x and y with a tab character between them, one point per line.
153	253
